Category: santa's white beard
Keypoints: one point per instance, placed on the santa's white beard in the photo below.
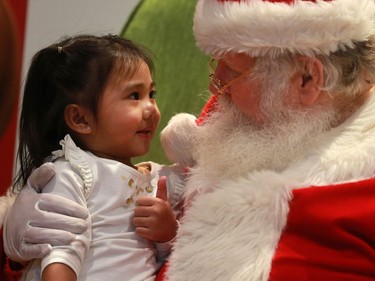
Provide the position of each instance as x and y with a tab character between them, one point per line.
231	144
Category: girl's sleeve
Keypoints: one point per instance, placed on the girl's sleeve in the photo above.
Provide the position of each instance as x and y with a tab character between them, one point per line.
70	185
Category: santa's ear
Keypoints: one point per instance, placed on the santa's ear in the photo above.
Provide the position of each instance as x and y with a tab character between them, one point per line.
308	81
78	119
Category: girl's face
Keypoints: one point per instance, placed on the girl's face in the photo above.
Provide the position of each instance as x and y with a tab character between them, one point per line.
128	117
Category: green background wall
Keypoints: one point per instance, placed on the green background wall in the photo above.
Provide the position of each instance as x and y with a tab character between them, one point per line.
165	28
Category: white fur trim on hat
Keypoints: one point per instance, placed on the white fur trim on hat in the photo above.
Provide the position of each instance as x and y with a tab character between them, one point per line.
259	27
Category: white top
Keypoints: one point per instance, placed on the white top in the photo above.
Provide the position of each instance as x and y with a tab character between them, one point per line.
110	250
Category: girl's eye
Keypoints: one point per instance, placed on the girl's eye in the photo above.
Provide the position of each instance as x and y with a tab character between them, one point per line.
152	94
134	96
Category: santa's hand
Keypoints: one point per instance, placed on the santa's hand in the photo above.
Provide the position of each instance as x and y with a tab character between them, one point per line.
36	220
153	217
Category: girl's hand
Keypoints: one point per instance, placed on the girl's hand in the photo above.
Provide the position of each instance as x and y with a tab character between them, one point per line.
153	217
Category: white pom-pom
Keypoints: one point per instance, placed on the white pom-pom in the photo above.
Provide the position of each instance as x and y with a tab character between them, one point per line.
176	139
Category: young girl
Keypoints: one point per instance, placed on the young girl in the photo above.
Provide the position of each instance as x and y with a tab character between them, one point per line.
90	101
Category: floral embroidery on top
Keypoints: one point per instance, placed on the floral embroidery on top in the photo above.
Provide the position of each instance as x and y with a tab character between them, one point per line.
136	188
130	183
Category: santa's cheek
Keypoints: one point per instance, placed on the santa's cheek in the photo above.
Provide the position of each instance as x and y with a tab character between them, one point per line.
247	104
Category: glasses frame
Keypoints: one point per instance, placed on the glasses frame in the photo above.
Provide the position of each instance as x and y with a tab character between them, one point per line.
220	89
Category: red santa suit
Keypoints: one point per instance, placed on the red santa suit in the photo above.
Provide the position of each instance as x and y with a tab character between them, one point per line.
315	219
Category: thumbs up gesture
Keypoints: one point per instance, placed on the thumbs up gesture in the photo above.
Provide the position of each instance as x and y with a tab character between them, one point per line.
153	217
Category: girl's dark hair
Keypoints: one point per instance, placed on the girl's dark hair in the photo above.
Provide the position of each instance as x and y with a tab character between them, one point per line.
72	71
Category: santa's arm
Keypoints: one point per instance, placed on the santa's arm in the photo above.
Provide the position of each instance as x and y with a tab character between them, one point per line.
35	221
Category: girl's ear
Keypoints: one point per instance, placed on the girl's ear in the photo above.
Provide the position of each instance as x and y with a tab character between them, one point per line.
78	119
309	82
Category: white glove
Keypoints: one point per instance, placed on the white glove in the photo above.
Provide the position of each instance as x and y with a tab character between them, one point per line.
36	220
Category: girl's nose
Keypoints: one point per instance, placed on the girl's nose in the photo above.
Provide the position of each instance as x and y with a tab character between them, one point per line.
149	109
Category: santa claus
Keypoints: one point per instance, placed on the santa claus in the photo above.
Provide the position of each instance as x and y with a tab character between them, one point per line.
282	186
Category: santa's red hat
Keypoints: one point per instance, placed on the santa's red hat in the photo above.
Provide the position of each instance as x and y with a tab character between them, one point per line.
273	27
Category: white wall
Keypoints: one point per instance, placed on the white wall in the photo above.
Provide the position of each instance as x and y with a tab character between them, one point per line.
49	20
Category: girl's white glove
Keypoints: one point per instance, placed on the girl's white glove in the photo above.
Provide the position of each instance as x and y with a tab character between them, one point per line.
36	221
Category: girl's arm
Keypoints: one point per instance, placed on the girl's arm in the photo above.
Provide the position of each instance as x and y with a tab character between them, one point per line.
58	272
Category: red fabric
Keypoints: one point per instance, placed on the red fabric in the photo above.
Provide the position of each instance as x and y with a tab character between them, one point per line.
162	271
207	109
8	139
330	235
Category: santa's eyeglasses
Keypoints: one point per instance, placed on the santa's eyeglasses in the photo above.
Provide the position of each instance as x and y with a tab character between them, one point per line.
217	83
